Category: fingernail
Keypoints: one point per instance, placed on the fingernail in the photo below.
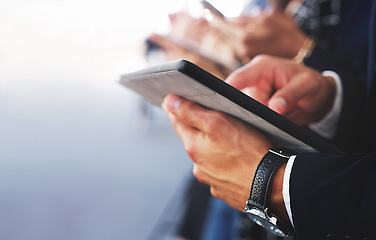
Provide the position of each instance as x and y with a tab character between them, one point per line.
172	102
278	104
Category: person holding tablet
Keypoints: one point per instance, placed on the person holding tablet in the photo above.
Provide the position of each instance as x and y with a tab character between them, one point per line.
321	196
308	190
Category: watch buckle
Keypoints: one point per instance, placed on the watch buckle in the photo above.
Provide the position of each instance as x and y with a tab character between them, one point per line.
271	218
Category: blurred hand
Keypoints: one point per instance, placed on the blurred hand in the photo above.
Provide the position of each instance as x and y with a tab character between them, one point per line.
271	32
225	151
176	50
185	27
192	39
299	93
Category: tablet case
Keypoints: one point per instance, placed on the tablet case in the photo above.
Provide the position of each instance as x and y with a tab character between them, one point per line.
189	81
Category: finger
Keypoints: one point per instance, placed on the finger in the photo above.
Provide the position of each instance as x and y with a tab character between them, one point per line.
255	79
228	26
189	135
159	40
245	76
257	94
186	132
163	42
199	175
286	98
187	112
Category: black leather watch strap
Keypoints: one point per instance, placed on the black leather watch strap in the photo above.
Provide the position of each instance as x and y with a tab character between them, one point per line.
262	179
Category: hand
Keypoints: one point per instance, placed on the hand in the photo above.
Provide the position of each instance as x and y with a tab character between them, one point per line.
299	93
271	32
176	50
225	151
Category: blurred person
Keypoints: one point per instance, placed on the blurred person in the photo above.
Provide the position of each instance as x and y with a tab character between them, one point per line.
220	44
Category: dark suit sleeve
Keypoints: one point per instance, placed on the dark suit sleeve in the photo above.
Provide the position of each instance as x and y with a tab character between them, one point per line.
352	133
344	50
333	194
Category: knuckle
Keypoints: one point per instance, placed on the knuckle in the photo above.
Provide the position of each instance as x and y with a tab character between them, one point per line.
191	151
214	192
309	80
216	120
198	174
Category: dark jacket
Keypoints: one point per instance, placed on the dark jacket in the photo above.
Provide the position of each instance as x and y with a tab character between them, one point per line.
334	196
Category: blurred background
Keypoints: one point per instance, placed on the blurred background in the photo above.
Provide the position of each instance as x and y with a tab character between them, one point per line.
81	157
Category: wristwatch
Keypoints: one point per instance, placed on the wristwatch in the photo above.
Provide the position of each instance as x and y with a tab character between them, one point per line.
256	207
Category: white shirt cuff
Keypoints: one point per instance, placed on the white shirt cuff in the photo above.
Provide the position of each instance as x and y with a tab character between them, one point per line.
286	187
327	126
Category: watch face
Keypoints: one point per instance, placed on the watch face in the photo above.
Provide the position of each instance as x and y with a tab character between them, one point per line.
270	223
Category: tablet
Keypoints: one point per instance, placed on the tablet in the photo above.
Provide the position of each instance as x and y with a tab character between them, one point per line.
189	81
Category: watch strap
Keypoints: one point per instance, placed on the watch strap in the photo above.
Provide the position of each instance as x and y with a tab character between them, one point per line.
262	179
